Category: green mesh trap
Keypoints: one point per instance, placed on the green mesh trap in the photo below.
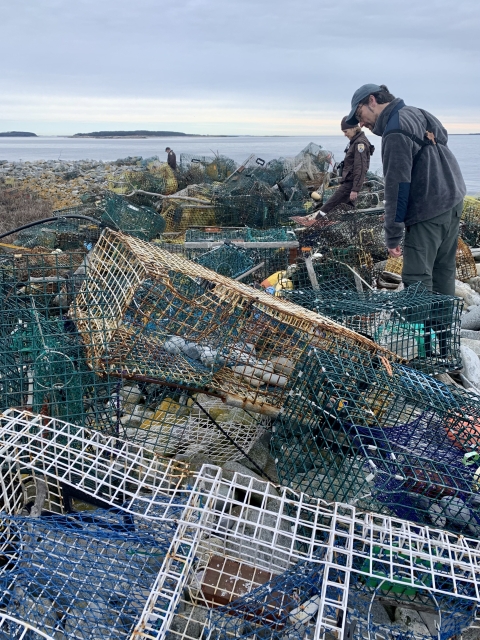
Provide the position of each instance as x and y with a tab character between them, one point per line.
66	234
139	221
383	437
419	326
227	260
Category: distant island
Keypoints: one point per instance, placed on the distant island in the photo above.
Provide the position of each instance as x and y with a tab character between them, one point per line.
18	134
132	134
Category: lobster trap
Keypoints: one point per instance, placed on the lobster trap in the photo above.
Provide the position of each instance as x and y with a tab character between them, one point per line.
119	213
148	315
382	436
465	263
419	326
470	222
64	234
81	575
227	260
243	557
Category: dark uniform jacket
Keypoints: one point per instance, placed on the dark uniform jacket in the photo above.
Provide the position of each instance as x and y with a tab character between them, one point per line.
172	160
357	161
422	176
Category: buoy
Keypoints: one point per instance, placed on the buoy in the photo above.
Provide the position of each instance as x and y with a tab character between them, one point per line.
315	195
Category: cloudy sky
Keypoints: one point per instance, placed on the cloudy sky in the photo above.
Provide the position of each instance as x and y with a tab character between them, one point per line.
230	66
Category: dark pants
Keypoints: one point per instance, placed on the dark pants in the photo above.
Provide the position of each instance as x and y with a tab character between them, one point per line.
429	253
341	196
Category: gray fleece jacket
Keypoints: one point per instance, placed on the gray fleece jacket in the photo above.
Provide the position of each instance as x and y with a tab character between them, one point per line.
421	182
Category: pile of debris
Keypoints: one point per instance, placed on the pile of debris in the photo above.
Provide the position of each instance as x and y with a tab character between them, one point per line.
218	424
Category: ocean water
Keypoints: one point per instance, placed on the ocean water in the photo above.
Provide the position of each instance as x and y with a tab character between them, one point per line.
466	149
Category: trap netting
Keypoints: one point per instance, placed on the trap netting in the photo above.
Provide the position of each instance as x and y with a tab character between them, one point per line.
203	169
84	575
236	534
383	436
240	234
286	606
470	222
136	220
152	316
419	326
65	234
227	260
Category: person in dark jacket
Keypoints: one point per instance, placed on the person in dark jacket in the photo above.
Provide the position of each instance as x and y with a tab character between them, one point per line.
355	167
171	158
424	187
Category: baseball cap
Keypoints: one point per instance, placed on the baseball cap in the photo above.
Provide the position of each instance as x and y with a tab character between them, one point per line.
359	95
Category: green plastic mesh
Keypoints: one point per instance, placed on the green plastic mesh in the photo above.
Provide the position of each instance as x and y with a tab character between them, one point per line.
139	221
226	260
420	327
384	437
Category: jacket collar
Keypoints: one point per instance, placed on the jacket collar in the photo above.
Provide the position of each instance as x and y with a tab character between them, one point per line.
387	113
360	133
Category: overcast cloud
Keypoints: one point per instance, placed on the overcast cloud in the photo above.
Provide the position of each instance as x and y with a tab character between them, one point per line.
223	66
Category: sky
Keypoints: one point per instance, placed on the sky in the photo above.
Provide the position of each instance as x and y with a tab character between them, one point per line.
249	67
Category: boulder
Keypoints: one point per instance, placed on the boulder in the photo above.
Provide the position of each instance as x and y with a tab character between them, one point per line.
474	345
469	334
471	365
465	291
471	320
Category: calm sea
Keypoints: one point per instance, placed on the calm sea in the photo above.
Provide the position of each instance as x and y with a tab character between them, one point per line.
466	148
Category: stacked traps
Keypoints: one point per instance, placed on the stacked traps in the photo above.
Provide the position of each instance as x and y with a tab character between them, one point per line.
204	169
44	366
42	359
72	230
139	221
147	315
244	557
382	436
190	207
466	266
470	223
420	327
152	177
312	165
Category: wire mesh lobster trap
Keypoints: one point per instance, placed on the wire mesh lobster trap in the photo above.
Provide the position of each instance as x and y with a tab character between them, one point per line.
139	221
227	260
382	436
66	233
419	326
465	262
470	222
152	316
232	536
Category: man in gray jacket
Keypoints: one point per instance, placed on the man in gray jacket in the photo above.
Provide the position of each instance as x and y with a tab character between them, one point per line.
424	188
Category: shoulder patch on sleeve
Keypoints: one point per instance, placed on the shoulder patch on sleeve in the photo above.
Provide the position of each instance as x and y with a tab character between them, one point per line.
361	147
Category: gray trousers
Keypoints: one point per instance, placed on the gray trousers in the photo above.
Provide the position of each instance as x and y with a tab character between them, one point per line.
429	253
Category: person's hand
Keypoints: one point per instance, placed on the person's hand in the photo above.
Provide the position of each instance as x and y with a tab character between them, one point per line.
353	195
395	253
